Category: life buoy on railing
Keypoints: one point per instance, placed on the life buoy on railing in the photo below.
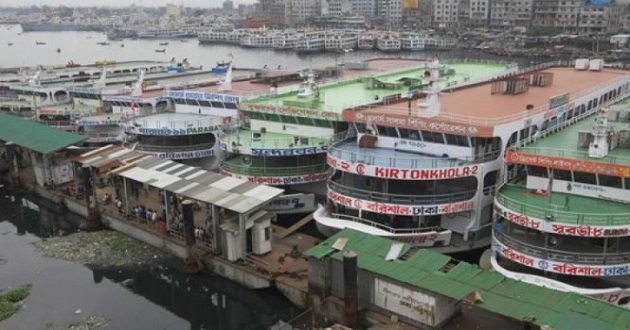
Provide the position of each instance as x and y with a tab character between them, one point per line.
246	160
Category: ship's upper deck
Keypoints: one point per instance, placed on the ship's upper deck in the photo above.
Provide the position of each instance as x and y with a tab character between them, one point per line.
476	106
381	79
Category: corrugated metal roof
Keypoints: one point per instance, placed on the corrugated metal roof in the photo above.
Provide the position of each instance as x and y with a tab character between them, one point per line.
191	182
501	295
35	136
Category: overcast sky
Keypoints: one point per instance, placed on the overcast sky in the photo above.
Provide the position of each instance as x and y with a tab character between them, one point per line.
118	3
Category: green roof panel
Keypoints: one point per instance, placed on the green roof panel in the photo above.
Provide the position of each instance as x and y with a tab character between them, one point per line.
35	136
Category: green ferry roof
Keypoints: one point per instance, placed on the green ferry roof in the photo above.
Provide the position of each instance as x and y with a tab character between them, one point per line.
564	144
35	136
499	294
336	97
566	208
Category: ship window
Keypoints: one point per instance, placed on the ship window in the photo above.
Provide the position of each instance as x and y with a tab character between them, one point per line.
590	104
489	182
626	182
271	117
391	131
305	121
562	175
544	125
288	119
584	177
361	128
217	104
179	101
382	130
427	136
610	181
322	123
204	103
537	171
192	102
230	105
570	114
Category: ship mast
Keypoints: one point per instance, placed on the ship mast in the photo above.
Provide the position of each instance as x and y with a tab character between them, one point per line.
431	105
602	135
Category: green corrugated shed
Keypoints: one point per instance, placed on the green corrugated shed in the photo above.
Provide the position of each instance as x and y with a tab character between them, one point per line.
35	136
501	295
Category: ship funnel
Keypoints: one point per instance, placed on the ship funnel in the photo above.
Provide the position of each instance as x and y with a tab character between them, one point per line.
100	83
309	88
430	107
34	81
137	87
603	136
226	84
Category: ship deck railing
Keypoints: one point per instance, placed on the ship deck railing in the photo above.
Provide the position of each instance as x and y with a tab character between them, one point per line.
404	199
555	207
398	231
174	148
266	171
553	254
263	140
351	152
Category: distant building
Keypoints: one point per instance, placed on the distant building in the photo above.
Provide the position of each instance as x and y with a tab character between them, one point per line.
174	11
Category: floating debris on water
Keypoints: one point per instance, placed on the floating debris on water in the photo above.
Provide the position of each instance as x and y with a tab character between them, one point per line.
99	248
89	323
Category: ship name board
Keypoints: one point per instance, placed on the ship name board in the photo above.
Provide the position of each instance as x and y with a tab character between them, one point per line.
174	131
416	123
284	110
560	267
182	154
568	164
288	152
87	122
281	180
202	96
386	208
403	174
563	229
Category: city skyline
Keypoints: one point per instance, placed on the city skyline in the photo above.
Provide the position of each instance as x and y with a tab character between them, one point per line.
120	3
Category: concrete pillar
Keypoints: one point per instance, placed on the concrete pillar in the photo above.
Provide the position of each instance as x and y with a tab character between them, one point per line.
350	291
93	218
192	265
242	230
216	230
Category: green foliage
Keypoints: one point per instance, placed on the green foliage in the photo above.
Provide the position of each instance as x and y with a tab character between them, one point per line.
118	243
17	294
6	309
9	299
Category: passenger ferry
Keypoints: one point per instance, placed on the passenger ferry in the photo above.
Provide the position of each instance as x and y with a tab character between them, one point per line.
284	138
169	33
341	42
285	40
367	41
562	214
311	42
425	166
388	42
412	41
262	39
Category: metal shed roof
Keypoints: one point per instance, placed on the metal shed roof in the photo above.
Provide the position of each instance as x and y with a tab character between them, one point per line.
195	183
499	294
35	136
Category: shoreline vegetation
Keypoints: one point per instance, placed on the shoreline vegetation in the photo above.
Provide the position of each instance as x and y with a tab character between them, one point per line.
11	301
